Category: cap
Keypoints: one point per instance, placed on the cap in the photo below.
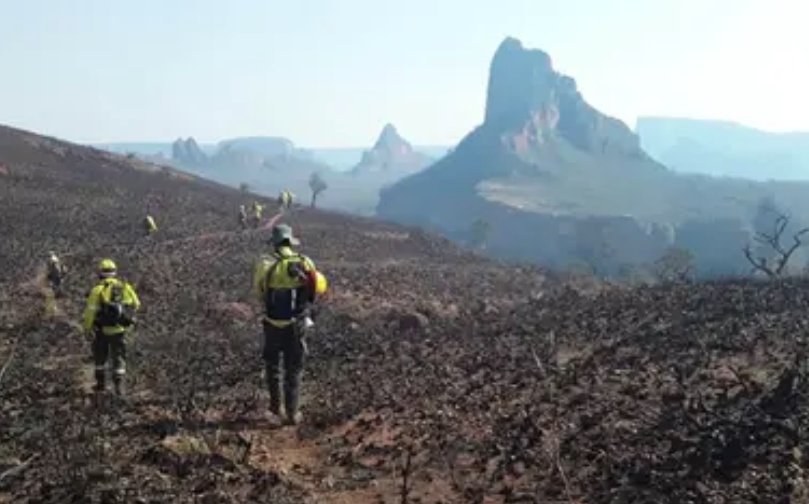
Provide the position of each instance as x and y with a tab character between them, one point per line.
281	233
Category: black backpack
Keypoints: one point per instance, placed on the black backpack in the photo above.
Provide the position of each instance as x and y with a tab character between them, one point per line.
112	311
286	303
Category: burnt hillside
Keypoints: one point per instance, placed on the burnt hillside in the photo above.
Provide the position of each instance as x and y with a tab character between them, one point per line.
479	382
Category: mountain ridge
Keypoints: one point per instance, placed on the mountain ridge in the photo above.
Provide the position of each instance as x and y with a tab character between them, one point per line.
725	148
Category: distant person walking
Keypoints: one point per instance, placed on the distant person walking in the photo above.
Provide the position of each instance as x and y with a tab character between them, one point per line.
287	284
242	216
285	199
55	273
108	317
149	225
257	211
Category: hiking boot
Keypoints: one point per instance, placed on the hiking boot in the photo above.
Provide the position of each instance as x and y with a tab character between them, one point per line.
101	382
118	385
293	419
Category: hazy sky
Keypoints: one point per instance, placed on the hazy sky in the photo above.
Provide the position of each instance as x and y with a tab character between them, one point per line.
332	72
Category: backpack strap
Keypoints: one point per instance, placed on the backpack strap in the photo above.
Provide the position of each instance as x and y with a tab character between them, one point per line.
278	260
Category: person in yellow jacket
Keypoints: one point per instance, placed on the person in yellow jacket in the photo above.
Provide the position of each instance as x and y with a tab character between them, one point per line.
109	315
285	199
286	283
149	225
55	273
258	210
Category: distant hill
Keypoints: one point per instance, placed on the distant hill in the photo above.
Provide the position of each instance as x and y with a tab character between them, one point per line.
725	148
337	158
146	148
271	164
560	182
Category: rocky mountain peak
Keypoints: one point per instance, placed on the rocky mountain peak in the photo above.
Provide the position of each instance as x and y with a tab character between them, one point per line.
520	81
531	103
390	142
391	153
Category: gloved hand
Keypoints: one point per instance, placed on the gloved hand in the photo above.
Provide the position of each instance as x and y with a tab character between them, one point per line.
303	327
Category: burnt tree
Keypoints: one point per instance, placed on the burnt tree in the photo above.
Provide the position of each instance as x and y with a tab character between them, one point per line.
780	253
317	185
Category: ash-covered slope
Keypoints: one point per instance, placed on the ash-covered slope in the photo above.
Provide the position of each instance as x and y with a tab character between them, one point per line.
501	384
61	196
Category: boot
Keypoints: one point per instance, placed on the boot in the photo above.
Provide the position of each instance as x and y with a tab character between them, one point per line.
293	416
275	406
101	381
274	388
118	385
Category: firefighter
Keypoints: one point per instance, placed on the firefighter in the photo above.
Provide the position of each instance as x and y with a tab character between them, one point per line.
55	273
108	317
149	225
287	284
242	216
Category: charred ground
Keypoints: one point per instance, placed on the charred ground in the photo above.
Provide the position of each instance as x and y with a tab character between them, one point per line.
433	373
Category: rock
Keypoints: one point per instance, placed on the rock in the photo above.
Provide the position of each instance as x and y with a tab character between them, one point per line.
185	446
533	102
391	155
187	152
537	162
390	142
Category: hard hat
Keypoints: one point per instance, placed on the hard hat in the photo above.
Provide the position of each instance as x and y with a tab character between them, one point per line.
321	283
107	268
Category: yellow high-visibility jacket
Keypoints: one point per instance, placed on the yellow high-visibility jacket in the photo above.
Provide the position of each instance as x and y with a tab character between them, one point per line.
279	279
150	224
99	295
258	209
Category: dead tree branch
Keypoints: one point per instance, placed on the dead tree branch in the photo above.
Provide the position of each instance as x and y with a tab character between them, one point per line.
774	267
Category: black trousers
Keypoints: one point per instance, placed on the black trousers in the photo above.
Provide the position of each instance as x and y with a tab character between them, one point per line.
55	280
107	348
283	343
